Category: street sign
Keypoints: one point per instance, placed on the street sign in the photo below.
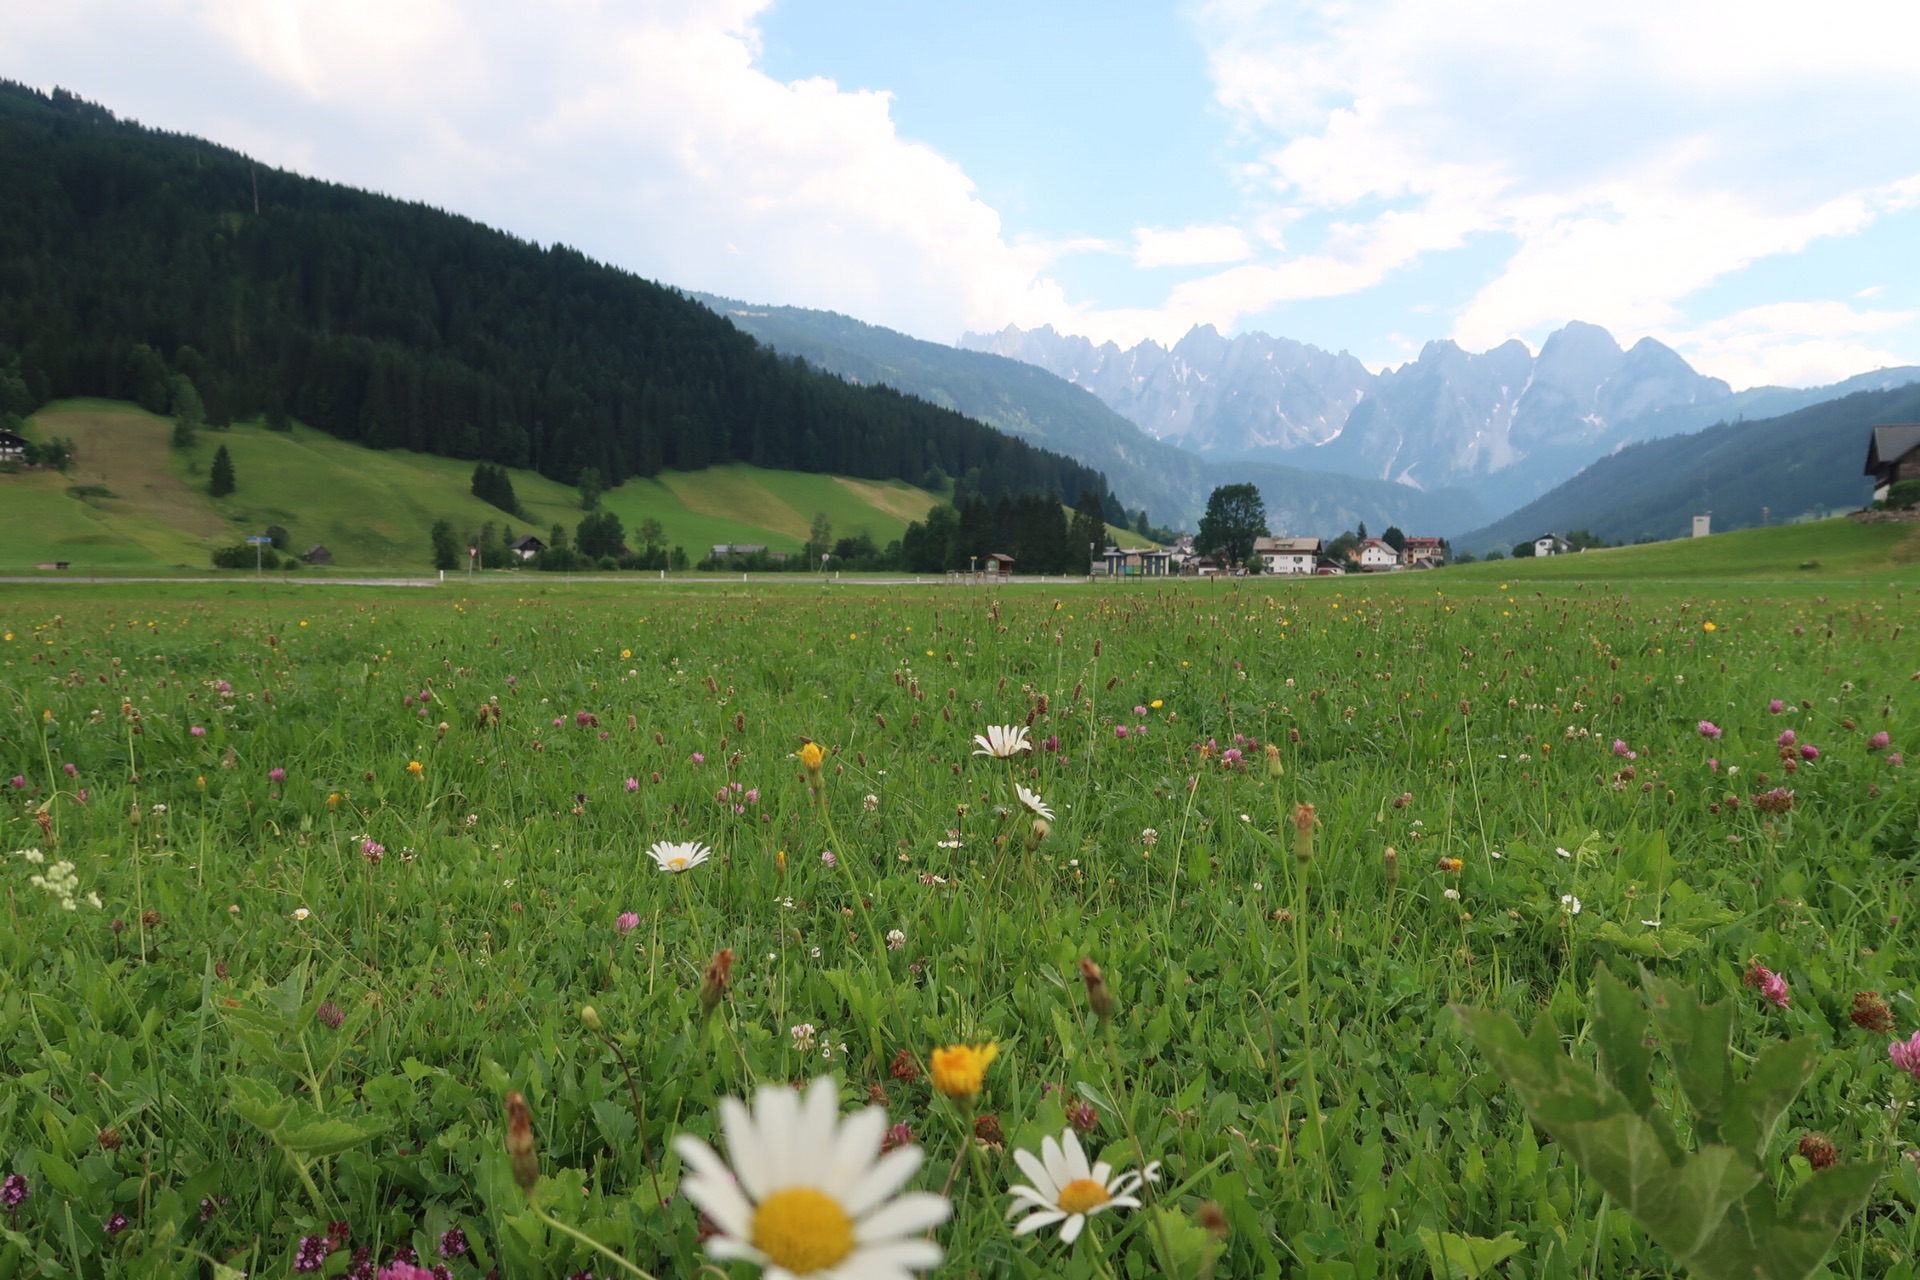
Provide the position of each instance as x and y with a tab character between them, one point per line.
261	541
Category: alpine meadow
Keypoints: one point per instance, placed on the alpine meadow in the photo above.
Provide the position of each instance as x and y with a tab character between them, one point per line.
816	640
357	927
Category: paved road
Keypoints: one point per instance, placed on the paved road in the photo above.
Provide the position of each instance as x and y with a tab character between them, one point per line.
625	579
276	579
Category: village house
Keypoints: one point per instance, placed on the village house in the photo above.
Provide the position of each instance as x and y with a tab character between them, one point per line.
1376	556
1287	555
13	448
1551	544
1425	553
317	554
526	548
1147	562
1893	455
726	550
998	564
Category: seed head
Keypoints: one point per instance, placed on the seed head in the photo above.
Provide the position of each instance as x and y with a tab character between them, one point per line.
1819	1151
1099	994
526	1157
1303	833
714	982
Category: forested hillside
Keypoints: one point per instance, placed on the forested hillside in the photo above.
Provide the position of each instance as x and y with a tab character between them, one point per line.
1776	469
134	263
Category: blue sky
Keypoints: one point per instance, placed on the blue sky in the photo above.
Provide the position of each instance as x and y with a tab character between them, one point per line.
1362	174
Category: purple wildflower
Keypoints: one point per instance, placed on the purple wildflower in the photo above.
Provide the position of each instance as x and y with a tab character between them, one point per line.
312	1253
453	1243
1708	729
198	731
404	1271
1906	1055
116	1224
633	784
1879	741
1119	731
1809	752
627	923
276	775
70	769
826	856
1786	738
1777	706
19	782
1770	984
330	1017
13	1192
698	758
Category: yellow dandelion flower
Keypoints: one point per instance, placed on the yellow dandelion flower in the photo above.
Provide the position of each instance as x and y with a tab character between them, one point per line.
958	1069
1156	704
626	653
1708	626
811	757
415	768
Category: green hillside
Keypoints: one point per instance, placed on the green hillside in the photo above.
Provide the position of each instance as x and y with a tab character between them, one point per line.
133	502
182	276
1809	551
1804	464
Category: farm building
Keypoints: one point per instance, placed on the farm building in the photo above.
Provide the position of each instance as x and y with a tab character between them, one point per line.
1287	555
1893	455
1551	544
526	548
317	554
1376	556
13	448
1429	553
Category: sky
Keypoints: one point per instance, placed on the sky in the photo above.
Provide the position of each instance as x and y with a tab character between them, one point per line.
1738	180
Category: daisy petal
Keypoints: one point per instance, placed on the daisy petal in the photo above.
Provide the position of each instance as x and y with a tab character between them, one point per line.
915	1211
1043	1181
887	1175
1071	1232
726	1249
1101	1172
858	1143
744	1147
1055	1160
1076	1156
1037	1221
895	1257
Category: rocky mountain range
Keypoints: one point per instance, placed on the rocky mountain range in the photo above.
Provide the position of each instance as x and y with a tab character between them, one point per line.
1505	425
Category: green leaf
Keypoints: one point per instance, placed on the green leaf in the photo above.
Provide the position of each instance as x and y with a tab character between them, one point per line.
1455	1257
1620	1034
327	1137
1185	1249
258	1103
1755	1105
1696	1037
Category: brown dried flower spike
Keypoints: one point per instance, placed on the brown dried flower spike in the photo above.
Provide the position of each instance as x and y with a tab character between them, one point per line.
1099	994
526	1157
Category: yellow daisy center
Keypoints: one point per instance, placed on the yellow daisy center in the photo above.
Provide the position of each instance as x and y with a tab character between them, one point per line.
675	864
1083	1195
802	1230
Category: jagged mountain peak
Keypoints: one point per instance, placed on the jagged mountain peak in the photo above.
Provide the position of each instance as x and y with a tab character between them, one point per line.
1506	421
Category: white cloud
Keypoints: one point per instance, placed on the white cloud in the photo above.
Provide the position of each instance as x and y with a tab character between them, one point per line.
1190	246
1794	343
1633	154
644	134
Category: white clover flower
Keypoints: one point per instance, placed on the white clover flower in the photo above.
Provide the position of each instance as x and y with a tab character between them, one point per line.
1451	895
806	1194
1570	904
895	939
803	1036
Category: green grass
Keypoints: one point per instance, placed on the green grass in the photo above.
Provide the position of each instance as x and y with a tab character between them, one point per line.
373	509
1435	715
1817	549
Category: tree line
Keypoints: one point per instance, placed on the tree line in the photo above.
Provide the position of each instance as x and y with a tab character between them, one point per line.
159	268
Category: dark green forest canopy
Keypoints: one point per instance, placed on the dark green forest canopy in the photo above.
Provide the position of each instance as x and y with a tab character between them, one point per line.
128	255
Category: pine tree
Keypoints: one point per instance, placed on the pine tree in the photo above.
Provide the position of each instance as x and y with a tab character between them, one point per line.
223	482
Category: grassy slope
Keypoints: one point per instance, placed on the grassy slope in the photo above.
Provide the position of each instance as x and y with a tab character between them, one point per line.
372	509
1830	546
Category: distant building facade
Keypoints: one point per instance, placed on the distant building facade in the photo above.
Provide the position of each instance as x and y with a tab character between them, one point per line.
1424	553
1287	555
1551	544
1376	556
1893	455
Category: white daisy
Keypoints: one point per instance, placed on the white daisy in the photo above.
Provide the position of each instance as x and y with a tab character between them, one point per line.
808	1193
1002	741
1570	904
1066	1189
1035	805
679	857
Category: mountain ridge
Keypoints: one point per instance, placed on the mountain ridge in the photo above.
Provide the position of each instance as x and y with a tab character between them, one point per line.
1504	424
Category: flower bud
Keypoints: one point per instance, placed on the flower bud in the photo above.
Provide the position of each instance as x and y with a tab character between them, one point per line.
590	1018
1392	864
526	1157
1274	768
1041	830
713	983
1303	833
1099	994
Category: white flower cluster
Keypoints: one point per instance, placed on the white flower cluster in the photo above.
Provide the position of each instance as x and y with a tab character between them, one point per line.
59	880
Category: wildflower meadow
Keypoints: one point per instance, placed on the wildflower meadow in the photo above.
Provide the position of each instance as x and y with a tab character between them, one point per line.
1440	925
